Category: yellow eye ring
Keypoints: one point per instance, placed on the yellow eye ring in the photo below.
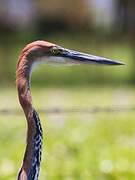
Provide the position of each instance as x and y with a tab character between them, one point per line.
55	51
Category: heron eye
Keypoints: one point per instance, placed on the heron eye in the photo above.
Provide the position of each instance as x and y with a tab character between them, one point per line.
55	51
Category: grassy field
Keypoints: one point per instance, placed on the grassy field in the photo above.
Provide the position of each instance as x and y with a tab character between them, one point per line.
77	146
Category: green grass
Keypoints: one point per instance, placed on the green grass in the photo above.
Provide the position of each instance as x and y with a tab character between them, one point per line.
77	146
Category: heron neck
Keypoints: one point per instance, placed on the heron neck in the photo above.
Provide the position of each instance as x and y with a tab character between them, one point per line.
31	162
23	84
30	166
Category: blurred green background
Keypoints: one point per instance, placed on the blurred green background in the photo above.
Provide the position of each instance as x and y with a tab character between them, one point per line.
77	145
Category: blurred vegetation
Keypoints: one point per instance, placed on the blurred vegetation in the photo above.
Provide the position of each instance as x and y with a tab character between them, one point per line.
76	146
52	22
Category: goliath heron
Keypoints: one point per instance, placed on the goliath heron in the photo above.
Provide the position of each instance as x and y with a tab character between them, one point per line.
42	51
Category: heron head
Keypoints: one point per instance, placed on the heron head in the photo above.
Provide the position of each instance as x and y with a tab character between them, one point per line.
54	54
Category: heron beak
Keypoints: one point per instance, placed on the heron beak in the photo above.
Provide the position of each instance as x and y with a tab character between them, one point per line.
82	58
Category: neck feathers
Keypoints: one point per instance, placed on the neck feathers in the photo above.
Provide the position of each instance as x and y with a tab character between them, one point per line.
31	163
33	52
37	146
